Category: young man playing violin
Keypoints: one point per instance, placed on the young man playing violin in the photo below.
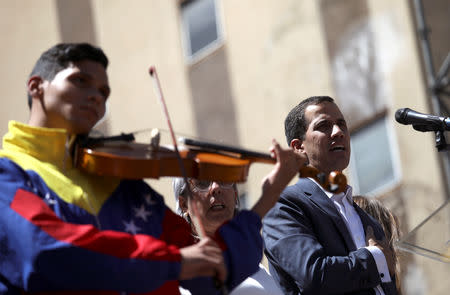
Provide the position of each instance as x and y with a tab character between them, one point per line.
338	248
64	230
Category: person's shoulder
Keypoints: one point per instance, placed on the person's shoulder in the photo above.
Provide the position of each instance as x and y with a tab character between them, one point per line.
246	215
297	190
10	170
12	178
293	199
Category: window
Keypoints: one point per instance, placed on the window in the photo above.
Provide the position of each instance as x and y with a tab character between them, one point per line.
201	28
373	165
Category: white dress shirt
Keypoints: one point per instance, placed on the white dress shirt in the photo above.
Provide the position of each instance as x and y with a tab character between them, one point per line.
344	204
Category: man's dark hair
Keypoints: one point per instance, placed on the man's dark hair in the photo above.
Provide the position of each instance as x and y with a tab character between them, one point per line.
295	124
59	57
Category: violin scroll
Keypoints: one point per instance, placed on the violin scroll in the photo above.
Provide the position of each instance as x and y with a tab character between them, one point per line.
335	182
338	182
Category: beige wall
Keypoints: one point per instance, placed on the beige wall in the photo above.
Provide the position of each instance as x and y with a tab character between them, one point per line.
277	57
275	54
147	34
24	33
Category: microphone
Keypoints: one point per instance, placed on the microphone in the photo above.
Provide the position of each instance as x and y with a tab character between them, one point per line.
422	122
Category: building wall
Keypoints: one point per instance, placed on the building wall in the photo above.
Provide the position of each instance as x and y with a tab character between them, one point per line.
23	31
275	54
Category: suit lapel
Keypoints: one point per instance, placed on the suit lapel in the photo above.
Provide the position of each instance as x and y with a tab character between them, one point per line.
323	202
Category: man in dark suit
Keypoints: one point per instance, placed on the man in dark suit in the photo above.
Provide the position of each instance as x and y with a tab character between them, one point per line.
318	242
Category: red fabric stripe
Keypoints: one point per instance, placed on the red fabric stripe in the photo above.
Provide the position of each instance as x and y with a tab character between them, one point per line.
34	209
176	230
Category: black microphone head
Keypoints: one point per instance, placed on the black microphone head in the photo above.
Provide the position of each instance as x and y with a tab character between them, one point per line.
422	128
400	115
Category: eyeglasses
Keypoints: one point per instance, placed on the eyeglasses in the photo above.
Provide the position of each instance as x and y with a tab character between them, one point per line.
205	185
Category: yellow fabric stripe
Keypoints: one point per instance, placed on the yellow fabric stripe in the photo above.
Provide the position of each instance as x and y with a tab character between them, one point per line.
43	151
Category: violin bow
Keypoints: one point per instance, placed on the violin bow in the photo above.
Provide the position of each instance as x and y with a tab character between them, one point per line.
197	222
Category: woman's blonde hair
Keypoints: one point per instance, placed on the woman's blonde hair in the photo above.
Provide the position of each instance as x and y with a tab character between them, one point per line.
388	221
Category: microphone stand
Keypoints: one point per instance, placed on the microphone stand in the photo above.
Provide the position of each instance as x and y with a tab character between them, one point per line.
441	143
437	85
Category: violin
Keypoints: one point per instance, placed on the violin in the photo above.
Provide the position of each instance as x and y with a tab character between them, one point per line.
121	157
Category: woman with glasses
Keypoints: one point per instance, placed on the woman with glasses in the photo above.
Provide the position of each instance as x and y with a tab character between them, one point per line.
218	202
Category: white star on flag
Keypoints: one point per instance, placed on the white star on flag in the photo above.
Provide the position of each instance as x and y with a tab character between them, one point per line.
142	212
131	227
49	200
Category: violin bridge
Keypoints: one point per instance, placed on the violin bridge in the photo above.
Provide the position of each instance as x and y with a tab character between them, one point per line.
155	137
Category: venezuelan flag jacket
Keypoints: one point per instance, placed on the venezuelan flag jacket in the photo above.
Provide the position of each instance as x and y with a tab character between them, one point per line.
63	231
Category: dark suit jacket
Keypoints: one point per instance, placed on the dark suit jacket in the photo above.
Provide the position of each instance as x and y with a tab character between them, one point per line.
310	250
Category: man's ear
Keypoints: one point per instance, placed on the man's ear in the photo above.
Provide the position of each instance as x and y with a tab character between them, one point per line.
35	87
297	144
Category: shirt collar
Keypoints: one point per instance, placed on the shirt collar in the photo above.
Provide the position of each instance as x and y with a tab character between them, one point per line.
337	197
44	144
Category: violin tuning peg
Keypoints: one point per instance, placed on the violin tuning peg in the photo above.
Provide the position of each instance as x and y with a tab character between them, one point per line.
155	137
